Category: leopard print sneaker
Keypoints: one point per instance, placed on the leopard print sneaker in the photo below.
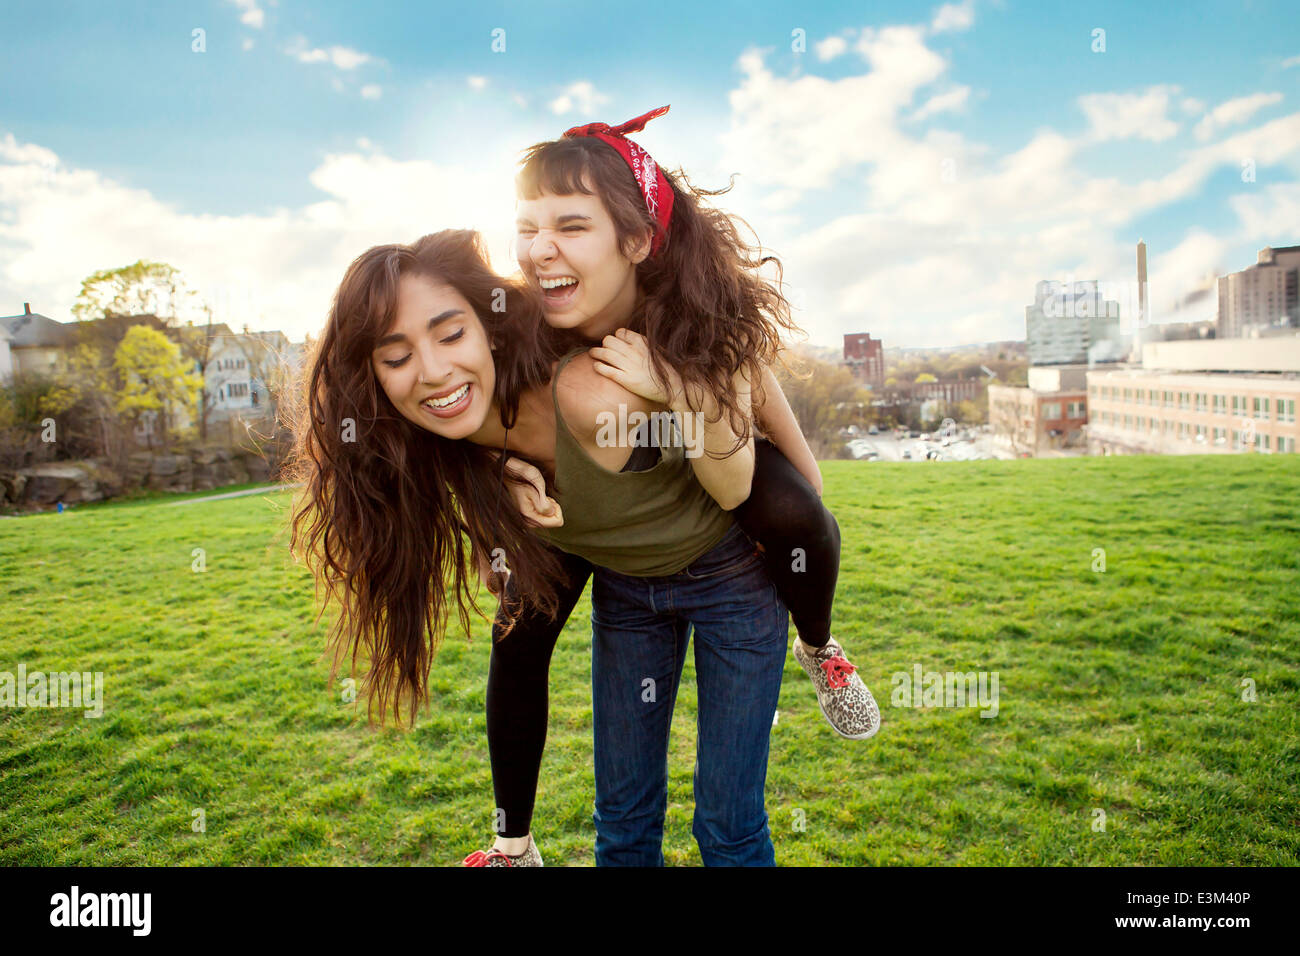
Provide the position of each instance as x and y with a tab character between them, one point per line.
845	701
494	857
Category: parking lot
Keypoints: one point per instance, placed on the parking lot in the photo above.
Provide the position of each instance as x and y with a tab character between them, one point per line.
965	445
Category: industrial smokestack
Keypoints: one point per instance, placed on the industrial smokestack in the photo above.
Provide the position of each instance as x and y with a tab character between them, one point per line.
1142	317
1142	283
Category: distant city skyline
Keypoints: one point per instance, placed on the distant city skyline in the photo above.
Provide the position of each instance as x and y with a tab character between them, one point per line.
918	170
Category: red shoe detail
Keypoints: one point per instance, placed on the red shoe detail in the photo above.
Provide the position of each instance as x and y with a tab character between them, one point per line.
479	858
838	670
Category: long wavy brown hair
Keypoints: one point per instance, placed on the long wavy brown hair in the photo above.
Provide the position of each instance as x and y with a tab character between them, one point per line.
394	518
707	311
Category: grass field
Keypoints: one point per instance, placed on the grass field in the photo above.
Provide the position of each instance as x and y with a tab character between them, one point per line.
1123	692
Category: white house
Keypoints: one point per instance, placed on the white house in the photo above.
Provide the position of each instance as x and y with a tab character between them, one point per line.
242	368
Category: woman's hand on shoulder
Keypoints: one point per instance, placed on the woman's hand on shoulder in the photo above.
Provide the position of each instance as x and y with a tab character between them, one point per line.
624	357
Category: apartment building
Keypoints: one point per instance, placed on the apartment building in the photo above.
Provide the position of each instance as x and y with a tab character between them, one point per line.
1214	396
1263	295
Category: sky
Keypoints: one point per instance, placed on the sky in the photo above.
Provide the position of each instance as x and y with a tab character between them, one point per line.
916	168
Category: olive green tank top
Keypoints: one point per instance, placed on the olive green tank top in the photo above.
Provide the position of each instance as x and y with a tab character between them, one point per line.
643	523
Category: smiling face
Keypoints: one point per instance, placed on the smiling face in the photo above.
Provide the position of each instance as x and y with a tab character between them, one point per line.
568	249
435	362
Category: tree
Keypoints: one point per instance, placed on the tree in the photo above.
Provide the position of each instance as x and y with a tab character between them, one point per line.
142	288
150	292
969	413
925	377
154	378
823	402
96	382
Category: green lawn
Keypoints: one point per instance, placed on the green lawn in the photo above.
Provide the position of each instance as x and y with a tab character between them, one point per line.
1120	692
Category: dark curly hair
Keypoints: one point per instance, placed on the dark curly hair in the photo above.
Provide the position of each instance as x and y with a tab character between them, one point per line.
385	518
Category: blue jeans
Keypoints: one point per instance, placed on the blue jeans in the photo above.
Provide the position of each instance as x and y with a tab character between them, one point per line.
640	630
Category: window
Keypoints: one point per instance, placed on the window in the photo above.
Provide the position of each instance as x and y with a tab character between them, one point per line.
1128	421
1154	396
1261	408
1200	433
1169	399
1219	436
1238	405
1236	439
1286	410
1201	401
1261	441
1220	404
1285	444
1182	400
1075	410
1182	429
1051	410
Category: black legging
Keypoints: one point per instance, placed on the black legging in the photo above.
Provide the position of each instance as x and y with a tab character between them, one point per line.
801	550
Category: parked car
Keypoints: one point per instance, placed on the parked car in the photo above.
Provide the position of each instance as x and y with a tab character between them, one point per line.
873	430
907	453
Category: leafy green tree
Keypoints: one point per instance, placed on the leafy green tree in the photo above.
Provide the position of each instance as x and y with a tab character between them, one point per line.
824	398
142	288
155	378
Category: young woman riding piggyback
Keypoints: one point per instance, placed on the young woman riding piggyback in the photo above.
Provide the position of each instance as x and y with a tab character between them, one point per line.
613	242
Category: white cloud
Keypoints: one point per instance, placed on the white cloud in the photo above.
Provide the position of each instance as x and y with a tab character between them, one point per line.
372	91
1191	106
581	96
1290	62
1130	115
953	16
477	82
954	99
341	57
1271	215
59	224
932	238
252	15
247	44
830	48
1232	112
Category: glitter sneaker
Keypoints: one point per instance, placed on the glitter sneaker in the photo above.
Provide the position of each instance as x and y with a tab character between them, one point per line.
494	857
845	701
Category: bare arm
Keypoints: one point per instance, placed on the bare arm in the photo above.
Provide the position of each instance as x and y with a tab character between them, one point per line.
727	475
777	418
725	472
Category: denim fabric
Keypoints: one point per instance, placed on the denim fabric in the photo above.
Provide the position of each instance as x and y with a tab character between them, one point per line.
640	630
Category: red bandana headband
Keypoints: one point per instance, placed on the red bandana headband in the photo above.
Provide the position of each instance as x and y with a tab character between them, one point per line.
654	187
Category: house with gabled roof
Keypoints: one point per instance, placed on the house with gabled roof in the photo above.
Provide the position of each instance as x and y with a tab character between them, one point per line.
37	343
